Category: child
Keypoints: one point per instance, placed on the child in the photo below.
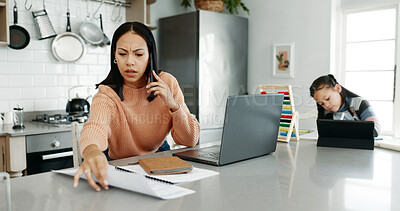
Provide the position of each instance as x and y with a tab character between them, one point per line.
336	102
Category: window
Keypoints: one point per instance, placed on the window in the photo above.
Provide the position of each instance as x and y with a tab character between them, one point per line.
369	60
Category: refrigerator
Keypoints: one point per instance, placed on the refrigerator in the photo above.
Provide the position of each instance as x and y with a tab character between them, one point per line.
207	53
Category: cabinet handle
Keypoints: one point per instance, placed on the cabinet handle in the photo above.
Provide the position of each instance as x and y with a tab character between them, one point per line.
57	155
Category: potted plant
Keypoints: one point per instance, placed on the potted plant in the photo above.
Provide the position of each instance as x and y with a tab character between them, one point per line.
217	5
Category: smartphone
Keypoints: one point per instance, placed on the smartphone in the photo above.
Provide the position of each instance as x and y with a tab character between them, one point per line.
152	95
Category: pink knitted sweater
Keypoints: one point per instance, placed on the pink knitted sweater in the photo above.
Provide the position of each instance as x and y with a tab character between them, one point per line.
135	126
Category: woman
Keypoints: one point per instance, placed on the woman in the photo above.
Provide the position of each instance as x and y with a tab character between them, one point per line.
130	115
336	102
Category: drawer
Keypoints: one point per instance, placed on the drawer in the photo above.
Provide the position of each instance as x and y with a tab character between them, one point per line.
48	141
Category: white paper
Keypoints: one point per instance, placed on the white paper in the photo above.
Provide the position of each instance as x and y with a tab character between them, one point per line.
195	174
309	136
137	183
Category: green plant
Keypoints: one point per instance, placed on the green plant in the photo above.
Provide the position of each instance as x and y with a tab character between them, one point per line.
230	5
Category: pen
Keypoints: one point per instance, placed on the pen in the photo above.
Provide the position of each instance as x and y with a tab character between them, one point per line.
341	118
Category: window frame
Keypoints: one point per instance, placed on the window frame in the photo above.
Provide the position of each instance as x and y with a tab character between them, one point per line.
341	63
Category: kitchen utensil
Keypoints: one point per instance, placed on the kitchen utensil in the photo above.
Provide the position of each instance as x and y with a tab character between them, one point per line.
6	118
105	41
43	24
18	118
77	105
89	31
19	37
68	46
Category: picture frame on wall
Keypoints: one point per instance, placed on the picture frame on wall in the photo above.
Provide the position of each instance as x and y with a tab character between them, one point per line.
283	60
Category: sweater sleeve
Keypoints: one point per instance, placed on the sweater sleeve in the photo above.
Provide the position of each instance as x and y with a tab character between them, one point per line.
185	127
97	129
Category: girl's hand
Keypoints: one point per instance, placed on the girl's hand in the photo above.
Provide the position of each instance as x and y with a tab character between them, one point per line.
96	164
161	88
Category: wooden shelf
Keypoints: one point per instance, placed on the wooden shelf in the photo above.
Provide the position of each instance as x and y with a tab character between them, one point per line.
140	11
4	29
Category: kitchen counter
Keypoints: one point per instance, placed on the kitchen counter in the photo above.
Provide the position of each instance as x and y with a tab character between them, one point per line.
298	176
32	128
13	144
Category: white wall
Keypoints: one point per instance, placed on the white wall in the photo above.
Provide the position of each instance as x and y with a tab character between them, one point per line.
32	77
306	23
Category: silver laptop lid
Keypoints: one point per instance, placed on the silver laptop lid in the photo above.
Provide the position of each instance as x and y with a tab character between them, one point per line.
251	126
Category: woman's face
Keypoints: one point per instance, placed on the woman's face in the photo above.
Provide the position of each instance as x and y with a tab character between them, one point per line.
132	58
329	98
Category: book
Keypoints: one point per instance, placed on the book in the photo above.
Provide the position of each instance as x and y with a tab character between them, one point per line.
165	165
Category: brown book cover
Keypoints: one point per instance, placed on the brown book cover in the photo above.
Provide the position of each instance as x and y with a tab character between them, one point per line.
165	165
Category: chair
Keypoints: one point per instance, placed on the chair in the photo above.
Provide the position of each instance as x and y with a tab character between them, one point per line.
76	137
6	178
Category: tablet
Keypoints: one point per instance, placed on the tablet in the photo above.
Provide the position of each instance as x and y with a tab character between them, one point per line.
345	134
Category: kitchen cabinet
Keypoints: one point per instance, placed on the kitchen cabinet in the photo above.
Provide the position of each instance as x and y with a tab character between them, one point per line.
140	11
2	153
4	29
12	155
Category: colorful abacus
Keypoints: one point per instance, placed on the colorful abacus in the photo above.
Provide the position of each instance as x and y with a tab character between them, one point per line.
289	117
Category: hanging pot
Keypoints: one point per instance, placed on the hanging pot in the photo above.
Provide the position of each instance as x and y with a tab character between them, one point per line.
19	37
68	46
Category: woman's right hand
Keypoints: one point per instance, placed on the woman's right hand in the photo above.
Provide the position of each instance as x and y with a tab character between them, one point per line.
95	163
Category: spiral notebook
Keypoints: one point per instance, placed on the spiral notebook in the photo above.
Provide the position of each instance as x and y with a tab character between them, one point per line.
137	183
174	179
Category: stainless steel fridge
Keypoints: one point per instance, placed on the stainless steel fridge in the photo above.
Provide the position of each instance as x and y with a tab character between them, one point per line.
207	52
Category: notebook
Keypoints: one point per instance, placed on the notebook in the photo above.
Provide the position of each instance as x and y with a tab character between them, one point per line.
345	134
165	165
250	129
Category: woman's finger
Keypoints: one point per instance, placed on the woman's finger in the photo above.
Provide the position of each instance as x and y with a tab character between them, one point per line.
90	180
156	76
101	174
78	176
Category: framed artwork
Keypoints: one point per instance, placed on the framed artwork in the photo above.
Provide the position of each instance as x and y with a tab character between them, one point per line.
283	60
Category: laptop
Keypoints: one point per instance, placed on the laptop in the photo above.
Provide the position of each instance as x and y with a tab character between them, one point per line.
345	134
250	129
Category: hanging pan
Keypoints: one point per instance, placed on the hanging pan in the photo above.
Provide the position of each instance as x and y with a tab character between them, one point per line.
19	37
90	31
68	46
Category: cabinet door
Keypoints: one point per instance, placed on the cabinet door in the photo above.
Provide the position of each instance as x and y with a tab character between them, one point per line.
2	153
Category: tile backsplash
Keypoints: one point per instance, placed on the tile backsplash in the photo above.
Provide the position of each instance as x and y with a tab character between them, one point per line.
33	78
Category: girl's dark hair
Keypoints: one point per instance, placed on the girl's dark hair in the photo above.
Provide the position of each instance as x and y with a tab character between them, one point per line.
329	81
114	78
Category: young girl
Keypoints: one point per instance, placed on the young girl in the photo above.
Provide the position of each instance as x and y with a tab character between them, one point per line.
130	115
336	102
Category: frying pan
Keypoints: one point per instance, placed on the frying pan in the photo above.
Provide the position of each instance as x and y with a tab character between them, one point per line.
19	37
90	31
68	46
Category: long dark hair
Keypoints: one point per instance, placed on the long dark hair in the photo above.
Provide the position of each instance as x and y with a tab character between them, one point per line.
329	81
114	78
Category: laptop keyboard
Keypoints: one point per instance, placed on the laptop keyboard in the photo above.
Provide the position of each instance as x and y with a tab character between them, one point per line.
212	155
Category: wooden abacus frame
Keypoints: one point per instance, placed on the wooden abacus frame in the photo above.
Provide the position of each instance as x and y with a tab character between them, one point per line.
289	126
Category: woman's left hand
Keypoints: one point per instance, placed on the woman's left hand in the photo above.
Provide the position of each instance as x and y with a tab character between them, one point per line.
161	89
